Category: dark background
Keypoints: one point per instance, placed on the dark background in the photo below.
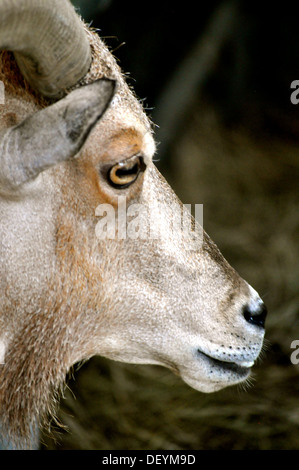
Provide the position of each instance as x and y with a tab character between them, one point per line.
215	77
257	53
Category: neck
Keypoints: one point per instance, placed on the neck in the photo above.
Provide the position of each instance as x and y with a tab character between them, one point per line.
33	373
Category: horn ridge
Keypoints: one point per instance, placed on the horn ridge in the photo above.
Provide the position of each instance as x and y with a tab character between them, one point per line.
49	42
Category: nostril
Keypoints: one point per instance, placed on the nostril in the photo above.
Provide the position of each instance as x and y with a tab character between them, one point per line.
255	316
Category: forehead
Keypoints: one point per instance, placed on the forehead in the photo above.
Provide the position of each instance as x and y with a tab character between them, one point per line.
121	134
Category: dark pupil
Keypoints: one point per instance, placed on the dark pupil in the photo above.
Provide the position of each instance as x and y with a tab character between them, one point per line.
127	171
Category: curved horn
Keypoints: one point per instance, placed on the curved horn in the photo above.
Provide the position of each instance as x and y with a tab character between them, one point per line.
49	43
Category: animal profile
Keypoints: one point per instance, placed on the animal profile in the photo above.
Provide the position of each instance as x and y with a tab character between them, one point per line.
74	141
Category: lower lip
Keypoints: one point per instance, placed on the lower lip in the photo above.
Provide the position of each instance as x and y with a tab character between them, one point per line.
230	367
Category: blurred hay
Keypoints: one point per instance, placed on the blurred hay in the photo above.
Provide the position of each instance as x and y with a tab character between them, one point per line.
249	188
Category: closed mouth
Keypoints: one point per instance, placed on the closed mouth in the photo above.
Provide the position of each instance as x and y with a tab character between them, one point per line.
242	369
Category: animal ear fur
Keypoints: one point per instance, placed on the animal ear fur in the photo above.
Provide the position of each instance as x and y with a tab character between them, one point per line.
52	135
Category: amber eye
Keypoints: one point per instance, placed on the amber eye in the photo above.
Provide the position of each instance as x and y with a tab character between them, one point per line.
124	173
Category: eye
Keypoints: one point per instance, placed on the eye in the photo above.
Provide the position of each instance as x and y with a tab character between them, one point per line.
124	173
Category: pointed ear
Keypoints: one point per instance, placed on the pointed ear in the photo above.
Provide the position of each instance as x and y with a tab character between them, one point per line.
52	135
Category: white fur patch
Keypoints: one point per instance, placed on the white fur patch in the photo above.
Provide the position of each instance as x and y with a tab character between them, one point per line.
245	363
2	351
255	301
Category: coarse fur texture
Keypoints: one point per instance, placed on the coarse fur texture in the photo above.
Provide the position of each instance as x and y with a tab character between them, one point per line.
67	295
